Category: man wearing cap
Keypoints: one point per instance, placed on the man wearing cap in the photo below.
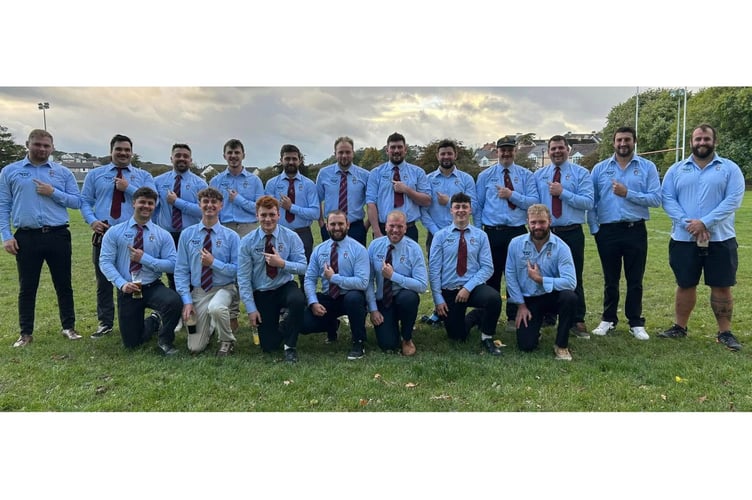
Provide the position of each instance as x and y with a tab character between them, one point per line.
567	190
505	191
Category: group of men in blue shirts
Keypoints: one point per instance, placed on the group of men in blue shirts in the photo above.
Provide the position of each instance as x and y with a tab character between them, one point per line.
233	240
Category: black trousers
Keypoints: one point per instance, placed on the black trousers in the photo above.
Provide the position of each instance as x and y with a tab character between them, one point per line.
499	240
562	303
34	248
171	276
306	237
357	232
399	319
575	240
105	301
269	303
134	329
483	296
350	302
617	243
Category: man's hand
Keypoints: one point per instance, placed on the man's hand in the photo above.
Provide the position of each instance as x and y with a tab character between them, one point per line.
43	188
523	316
318	310
254	318
533	272
11	246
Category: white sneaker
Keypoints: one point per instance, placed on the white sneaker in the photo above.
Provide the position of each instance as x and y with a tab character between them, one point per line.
639	333
179	325
603	328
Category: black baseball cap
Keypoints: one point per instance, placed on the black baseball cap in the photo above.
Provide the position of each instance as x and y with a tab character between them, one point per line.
507	140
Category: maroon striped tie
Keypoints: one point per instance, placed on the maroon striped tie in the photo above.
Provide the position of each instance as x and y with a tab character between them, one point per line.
334	290
343	191
556	200
289	216
508	184
206	271
271	271
177	215
138	244
388	292
118	198
462	254
399	198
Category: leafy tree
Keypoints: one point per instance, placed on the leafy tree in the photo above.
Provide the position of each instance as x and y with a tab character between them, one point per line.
428	162
729	111
372	157
9	150
656	129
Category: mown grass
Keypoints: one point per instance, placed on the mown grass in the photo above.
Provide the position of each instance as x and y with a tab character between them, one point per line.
615	373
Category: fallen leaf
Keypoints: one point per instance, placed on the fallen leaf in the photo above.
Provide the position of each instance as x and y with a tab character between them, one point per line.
702	399
363	402
443	396
101	389
410	385
678	379
58	357
498	343
287	382
663	397
377	376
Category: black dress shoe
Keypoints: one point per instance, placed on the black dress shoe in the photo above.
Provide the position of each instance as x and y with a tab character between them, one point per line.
490	347
291	355
167	349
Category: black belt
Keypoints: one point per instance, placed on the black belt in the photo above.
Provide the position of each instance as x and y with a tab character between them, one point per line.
149	285
500	228
562	229
43	229
625	224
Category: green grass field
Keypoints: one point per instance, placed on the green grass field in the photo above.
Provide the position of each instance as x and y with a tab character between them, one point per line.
613	373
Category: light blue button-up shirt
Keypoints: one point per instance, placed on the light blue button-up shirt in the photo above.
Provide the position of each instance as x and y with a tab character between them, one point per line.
576	197
352	263
442	264
187	203
712	194
380	189
437	216
643	191
408	263
242	209
252	263
28	209
99	186
115	259
554	261
225	245
495	211
327	188
306	207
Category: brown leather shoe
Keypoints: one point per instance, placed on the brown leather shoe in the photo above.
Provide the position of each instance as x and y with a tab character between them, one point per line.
234	325
71	334
23	340
408	348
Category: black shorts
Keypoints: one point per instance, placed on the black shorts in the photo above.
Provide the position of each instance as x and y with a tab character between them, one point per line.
719	265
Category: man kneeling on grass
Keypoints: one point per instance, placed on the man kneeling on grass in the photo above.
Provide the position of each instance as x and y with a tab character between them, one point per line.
205	273
459	266
541	280
134	255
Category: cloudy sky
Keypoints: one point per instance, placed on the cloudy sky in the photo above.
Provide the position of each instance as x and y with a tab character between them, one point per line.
308	72
83	119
